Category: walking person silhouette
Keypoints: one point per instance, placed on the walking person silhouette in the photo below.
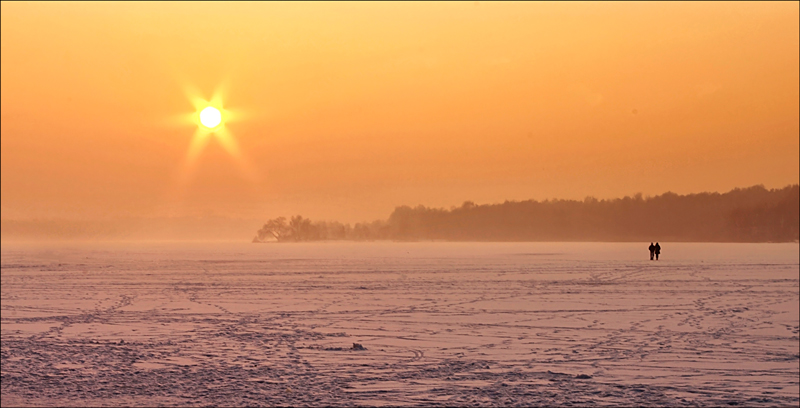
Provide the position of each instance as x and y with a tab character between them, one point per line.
658	250
652	249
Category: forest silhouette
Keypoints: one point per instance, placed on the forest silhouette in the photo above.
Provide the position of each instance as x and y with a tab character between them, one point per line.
753	214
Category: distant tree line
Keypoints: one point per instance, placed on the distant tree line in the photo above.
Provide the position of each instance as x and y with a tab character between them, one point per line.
752	214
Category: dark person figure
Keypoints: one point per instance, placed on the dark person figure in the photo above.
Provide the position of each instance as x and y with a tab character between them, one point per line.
652	249
658	250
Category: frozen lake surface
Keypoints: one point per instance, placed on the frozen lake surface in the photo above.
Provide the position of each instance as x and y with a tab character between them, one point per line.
442	323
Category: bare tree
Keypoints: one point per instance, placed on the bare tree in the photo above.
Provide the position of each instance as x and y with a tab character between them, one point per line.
275	228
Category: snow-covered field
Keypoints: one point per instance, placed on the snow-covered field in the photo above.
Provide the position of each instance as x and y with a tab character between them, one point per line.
441	323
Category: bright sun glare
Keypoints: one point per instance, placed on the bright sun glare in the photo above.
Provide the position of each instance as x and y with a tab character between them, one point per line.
210	117
211	120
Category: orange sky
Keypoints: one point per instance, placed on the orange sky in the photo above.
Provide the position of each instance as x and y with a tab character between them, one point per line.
348	110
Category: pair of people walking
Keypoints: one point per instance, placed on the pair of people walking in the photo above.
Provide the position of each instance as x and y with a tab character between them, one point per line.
654	250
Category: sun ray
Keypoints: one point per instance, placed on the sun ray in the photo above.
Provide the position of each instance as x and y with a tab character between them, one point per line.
230	145
199	142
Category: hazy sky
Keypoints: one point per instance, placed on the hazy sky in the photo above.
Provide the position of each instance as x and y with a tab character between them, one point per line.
345	111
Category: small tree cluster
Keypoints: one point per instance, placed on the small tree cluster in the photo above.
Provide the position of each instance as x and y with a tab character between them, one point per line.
299	229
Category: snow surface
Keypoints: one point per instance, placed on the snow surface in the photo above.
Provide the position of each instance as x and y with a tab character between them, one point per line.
442	323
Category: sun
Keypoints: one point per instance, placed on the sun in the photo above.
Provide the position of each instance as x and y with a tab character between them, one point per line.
210	117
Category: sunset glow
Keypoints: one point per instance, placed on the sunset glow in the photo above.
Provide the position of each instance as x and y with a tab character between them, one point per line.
346	110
